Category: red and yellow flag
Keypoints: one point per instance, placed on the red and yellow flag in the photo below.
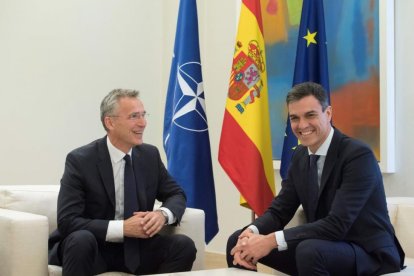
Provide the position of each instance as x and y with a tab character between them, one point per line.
245	150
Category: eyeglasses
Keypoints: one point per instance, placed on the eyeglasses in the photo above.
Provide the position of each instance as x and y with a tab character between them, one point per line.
135	116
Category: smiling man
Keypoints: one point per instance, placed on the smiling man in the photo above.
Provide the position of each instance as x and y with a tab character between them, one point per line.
105	214
310	119
338	182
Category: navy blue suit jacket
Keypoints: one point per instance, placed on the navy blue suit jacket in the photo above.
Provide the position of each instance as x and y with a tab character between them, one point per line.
87	193
351	205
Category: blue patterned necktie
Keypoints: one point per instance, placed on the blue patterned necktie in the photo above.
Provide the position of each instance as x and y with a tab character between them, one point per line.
131	245
313	186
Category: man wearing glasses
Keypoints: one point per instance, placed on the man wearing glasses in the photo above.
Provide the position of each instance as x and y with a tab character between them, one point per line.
105	214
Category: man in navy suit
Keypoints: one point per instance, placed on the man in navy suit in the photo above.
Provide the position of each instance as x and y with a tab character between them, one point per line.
348	230
92	227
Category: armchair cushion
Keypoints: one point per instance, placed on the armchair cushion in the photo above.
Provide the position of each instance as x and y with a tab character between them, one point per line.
35	199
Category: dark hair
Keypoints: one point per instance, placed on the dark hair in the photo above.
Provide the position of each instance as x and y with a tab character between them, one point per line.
305	89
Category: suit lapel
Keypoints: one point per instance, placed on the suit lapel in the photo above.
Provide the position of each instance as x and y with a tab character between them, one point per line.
105	169
138	165
331	158
304	167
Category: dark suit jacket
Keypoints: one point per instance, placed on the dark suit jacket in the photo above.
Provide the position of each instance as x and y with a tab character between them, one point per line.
87	193
351	205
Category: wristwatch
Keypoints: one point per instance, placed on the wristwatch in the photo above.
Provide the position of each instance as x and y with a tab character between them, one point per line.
165	215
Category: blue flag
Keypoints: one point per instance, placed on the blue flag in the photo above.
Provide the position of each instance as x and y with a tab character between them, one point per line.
186	140
311	65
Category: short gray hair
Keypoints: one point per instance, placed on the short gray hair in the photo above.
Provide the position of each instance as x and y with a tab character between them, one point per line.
304	89
110	103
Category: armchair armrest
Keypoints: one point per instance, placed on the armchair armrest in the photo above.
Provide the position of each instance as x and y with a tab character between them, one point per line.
23	239
298	219
192	225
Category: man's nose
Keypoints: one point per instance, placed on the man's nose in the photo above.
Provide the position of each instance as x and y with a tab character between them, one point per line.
302	123
141	121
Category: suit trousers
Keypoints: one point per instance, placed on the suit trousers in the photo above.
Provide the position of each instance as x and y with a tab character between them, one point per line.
308	257
81	254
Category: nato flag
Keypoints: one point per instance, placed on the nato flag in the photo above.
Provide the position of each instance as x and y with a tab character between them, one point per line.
186	139
311	65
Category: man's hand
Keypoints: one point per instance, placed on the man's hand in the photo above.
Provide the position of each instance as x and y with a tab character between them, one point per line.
252	247
153	222
133	226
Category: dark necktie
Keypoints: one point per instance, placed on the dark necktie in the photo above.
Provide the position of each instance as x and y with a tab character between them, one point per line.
131	245
313	186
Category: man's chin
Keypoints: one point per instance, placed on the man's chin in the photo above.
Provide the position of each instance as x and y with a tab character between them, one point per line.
306	142
303	142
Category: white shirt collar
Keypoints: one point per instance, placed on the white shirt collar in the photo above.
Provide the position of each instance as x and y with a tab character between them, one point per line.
115	154
323	149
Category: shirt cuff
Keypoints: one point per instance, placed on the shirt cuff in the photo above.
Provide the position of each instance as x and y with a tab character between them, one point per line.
171	218
281	242
254	229
115	231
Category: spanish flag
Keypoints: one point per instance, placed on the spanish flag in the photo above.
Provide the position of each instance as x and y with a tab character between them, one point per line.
245	151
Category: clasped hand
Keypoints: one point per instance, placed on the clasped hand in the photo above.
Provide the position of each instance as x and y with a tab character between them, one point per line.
143	224
252	247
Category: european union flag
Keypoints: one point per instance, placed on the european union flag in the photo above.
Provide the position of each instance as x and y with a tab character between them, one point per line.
186	139
311	65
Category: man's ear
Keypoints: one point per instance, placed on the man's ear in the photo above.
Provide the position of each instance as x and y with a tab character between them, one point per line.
328	111
109	123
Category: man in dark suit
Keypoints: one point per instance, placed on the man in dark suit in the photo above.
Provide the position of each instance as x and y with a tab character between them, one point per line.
348	230
103	225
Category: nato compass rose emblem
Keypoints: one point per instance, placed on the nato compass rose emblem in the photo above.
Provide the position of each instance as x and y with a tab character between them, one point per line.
189	110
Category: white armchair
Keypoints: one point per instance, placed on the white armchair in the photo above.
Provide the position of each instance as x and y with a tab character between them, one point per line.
28	215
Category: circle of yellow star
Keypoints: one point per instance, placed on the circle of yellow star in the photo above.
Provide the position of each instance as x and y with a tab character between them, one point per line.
310	38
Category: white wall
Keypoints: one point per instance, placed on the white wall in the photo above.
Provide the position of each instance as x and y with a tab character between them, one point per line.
59	58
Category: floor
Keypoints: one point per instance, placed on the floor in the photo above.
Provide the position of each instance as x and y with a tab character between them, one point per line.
215	260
